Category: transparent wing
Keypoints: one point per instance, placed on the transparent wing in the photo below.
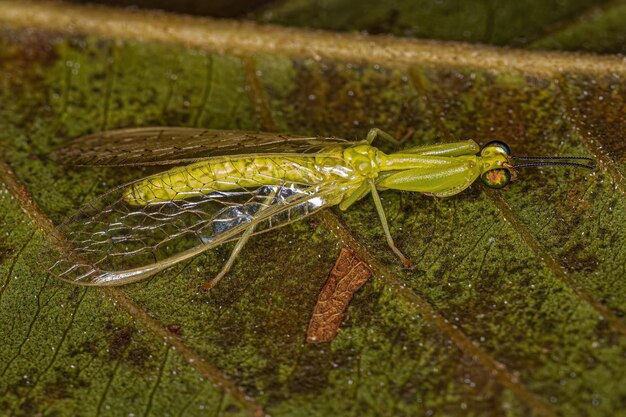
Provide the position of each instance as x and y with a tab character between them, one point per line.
179	145
109	242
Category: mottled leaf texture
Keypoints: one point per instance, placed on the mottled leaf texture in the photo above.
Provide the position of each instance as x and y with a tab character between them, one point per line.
515	303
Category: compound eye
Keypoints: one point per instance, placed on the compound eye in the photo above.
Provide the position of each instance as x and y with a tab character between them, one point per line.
496	178
503	147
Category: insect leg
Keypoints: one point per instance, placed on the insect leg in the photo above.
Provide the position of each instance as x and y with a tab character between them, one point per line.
351	198
383	220
231	260
376	132
237	249
467	147
441	181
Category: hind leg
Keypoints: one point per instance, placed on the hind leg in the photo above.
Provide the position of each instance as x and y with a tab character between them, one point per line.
231	259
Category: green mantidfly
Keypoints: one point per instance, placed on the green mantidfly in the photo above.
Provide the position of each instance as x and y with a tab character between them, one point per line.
225	186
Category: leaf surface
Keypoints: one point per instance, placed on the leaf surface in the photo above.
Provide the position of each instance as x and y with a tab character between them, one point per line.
515	306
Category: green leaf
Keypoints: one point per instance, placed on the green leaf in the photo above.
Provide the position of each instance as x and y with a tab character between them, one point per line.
538	24
516	302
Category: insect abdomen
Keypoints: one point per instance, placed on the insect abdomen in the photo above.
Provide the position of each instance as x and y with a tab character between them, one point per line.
222	174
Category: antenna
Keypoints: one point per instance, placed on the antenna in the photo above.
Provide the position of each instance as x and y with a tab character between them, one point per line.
539	161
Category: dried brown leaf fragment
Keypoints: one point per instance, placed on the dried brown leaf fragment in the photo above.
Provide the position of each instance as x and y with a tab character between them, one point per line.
347	276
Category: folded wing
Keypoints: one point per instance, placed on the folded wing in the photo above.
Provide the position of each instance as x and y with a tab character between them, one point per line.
109	242
180	145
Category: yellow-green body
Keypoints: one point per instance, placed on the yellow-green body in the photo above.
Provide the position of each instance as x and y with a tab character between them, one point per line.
236	184
440	170
231	173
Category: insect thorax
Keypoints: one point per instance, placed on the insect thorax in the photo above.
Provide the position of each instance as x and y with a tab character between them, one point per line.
363	159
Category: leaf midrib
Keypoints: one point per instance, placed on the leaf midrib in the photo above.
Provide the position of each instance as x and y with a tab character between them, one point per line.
249	39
